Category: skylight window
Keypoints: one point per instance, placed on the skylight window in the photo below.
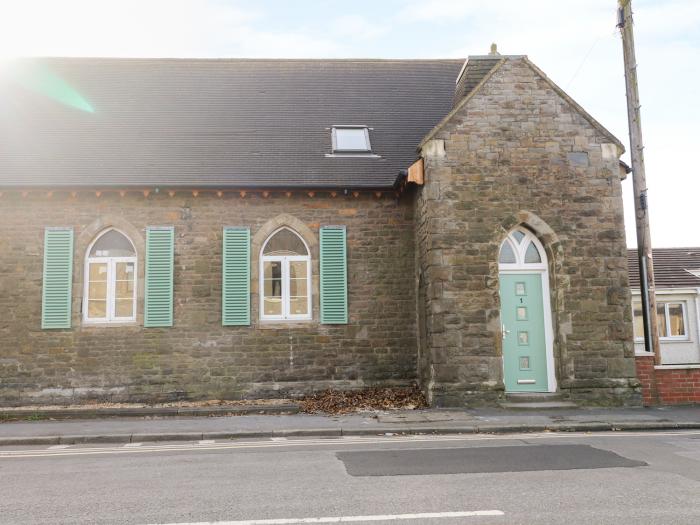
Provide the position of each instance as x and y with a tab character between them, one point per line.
351	139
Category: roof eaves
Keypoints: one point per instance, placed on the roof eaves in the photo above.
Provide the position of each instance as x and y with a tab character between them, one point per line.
678	289
355	185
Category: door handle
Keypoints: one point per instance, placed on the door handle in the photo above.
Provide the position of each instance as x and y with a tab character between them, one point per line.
504	331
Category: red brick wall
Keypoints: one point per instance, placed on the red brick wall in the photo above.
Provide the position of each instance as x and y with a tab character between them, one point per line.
673	386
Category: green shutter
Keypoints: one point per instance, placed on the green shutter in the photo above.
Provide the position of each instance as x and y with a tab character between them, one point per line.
334	283
158	310
235	286
58	278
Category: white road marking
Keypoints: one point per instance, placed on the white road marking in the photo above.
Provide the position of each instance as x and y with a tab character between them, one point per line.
348	519
279	439
347	441
133	445
207	441
58	447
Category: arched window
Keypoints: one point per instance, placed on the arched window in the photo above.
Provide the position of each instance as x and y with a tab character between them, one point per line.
110	279
285	277
521	249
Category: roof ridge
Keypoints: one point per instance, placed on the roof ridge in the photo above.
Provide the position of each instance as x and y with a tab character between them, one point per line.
238	59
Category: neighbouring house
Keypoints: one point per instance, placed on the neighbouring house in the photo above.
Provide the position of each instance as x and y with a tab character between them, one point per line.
676	379
243	228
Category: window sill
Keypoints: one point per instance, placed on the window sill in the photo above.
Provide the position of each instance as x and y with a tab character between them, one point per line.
91	324
279	324
667	340
677	367
348	154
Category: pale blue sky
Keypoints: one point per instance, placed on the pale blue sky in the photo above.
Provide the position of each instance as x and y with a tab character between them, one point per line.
574	42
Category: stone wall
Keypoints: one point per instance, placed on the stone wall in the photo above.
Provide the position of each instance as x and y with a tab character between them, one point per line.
197	357
519	153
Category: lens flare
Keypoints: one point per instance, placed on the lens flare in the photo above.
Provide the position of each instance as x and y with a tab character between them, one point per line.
40	79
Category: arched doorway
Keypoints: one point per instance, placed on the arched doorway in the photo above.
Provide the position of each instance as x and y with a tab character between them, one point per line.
526	315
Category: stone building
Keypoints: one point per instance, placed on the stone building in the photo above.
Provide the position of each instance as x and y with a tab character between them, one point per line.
244	228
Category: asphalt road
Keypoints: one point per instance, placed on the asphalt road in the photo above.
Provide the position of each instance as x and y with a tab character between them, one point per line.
614	478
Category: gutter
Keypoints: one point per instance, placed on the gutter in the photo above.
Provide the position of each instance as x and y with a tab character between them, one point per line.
178	187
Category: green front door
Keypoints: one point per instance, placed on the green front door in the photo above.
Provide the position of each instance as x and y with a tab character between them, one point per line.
522	324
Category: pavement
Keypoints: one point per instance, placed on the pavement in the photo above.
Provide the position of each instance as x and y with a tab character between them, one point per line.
432	421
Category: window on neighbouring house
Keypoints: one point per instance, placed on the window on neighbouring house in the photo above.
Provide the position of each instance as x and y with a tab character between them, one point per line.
671	320
285	277
110	279
351	139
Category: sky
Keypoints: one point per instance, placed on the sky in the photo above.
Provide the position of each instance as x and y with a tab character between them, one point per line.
575	42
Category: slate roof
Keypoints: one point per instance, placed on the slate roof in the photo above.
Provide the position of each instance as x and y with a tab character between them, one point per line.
226	122
672	267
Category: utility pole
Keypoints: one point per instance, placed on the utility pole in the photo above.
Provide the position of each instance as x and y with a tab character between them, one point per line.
641	208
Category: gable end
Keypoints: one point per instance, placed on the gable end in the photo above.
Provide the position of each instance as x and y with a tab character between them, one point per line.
471	94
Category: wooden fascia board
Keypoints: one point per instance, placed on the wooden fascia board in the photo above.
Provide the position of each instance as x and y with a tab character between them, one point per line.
416	173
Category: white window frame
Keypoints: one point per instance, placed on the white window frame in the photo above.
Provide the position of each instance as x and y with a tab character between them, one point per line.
667	320
519	249
111	262
285	260
335	129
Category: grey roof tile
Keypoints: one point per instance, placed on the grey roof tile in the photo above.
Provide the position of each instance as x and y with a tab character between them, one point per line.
672	267
227	122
